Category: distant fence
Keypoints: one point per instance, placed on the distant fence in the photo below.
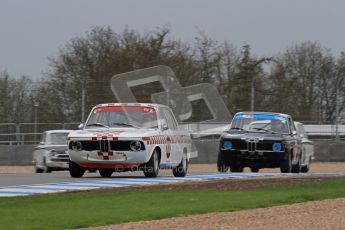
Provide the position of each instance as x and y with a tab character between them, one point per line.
28	133
31	133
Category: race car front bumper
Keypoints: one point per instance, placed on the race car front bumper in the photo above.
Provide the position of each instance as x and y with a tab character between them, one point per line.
257	158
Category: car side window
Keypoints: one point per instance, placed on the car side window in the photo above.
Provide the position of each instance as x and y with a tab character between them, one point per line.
44	136
172	124
292	125
162	117
303	131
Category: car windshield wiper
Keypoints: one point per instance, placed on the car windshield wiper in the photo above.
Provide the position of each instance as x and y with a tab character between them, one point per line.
236	128
125	124
266	130
261	129
98	124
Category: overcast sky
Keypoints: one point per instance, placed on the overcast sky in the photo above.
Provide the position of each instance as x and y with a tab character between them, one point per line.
30	31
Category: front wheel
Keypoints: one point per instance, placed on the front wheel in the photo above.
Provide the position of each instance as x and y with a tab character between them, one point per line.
106	172
37	168
75	170
151	168
181	169
222	164
46	169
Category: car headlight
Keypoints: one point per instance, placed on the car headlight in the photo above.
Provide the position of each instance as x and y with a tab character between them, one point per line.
76	145
52	152
135	145
276	147
227	145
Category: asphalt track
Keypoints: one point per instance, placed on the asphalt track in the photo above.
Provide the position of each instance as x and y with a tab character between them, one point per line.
35	184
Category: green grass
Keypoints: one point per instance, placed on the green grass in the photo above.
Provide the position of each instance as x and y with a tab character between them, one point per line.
82	210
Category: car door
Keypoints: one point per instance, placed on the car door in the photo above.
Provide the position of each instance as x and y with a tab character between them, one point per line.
172	134
40	150
296	140
307	146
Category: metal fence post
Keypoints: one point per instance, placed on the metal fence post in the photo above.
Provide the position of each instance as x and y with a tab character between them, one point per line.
18	134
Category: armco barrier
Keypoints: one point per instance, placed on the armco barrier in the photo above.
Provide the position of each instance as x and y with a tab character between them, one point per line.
207	152
16	155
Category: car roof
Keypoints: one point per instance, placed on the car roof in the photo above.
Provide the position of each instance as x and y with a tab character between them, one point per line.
132	104
58	131
266	113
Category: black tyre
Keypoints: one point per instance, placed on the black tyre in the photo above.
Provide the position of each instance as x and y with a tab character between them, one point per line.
306	168
105	172
286	165
222	165
75	170
254	169
46	169
151	168
181	169
296	168
236	168
38	170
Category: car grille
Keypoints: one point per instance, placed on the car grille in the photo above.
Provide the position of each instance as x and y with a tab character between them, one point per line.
239	145
252	145
106	145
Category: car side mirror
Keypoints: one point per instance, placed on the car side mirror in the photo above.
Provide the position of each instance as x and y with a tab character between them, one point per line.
165	127
81	126
41	143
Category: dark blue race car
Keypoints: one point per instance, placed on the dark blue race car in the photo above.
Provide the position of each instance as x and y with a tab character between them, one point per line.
260	140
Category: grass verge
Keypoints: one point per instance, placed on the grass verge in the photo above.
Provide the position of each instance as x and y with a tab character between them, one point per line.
68	211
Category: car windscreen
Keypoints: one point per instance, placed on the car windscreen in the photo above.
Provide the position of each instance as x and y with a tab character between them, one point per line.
123	116
260	123
57	139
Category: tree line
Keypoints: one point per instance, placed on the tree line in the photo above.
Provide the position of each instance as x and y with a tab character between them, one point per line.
306	80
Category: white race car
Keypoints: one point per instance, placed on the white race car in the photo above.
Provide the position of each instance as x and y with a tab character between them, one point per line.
129	137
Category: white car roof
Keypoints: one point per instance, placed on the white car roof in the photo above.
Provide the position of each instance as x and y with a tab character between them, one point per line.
58	131
132	104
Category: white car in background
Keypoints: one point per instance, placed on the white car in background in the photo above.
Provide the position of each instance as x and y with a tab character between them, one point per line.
307	151
51	154
129	137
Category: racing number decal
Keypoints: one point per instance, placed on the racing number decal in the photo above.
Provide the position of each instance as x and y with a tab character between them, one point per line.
168	146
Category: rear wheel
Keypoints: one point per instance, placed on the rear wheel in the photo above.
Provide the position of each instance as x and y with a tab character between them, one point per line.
106	172
75	170
306	168
181	169
151	168
222	164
